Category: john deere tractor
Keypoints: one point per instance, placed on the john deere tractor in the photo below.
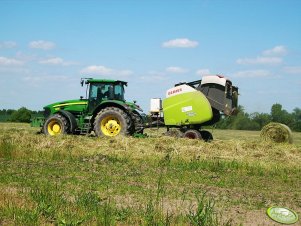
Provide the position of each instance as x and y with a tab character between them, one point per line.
104	111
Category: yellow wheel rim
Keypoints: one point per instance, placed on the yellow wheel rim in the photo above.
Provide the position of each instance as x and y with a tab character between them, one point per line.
110	126
54	127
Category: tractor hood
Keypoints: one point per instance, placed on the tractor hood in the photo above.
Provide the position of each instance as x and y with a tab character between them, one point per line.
69	105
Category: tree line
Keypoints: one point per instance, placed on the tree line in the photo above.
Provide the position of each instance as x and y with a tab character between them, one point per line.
255	121
242	121
21	115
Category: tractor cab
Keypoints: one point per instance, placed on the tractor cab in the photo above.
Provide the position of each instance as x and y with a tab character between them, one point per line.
100	90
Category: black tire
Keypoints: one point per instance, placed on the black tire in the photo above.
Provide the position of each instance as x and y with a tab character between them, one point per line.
206	135
192	134
139	123
112	121
56	125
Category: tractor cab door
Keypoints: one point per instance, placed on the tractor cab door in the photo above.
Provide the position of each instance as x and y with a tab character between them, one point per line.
98	93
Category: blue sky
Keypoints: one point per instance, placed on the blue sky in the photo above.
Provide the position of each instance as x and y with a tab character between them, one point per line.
47	46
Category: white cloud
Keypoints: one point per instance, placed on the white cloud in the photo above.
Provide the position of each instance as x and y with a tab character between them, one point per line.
4	61
154	78
276	51
25	57
100	70
260	60
176	70
292	70
157	73
8	45
35	79
124	72
14	70
202	72
252	74
97	70
272	56
40	44
56	61
180	43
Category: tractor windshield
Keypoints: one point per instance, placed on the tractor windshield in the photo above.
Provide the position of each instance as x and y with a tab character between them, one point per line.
106	91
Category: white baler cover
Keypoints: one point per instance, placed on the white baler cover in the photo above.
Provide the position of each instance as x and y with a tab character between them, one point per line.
179	90
214	79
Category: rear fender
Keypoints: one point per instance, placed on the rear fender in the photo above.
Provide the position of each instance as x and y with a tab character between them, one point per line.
123	107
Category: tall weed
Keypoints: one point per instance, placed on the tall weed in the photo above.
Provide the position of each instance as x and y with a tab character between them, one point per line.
205	213
6	148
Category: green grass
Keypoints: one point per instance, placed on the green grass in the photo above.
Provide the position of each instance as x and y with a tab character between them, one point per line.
81	180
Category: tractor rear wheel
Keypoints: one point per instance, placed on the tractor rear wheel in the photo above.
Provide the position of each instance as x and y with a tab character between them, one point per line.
192	134
112	121
138	127
56	125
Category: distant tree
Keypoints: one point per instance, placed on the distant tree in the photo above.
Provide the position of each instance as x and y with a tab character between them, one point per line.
255	121
296	115
261	119
5	114
280	115
227	122
10	111
277	113
243	122
21	115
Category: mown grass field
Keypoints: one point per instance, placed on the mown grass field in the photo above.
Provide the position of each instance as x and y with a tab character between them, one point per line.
82	180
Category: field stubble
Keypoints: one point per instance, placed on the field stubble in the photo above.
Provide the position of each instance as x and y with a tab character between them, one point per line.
72	180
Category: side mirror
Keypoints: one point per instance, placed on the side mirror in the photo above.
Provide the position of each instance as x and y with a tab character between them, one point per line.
81	97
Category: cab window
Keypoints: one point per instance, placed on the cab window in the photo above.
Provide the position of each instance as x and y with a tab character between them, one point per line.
119	92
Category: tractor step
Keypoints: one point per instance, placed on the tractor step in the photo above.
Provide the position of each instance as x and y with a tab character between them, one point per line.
86	128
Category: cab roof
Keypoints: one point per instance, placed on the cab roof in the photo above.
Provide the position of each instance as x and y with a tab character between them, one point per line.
92	80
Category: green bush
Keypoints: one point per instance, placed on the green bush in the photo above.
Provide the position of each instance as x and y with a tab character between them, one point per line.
21	115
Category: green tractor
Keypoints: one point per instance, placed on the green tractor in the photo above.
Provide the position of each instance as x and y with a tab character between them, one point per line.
104	111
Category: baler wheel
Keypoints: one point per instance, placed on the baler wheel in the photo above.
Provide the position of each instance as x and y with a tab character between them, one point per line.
56	125
206	135
111	121
192	134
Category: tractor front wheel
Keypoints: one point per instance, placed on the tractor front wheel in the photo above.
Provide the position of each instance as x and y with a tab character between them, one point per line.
55	125
111	122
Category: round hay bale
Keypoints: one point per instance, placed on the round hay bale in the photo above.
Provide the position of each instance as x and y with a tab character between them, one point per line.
277	132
